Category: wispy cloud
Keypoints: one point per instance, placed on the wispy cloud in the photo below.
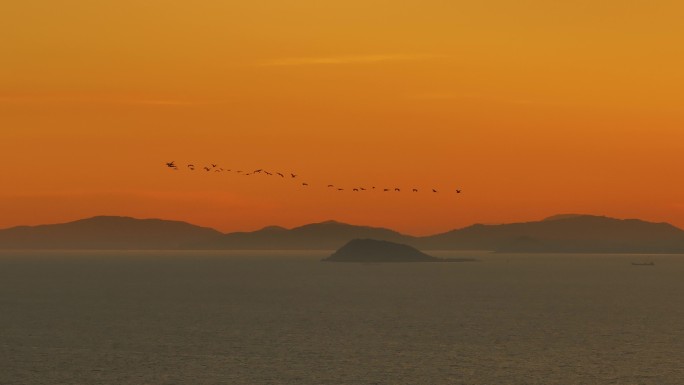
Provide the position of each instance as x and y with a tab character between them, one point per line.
476	98
171	102
344	59
438	96
100	100
158	102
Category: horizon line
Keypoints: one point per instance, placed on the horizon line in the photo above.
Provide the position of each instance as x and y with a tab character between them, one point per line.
551	217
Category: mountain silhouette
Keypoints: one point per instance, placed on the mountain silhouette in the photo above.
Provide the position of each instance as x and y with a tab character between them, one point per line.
327	235
557	234
371	250
561	216
106	233
564	234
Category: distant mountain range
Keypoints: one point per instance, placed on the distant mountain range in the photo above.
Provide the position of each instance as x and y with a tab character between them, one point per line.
107	233
316	236
565	234
557	234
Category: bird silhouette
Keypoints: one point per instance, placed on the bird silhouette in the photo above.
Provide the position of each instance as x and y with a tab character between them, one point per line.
214	167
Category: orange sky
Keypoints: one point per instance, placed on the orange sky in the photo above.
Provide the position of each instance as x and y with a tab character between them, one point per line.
532	107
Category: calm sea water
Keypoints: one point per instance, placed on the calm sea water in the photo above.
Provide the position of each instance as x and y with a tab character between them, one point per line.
285	318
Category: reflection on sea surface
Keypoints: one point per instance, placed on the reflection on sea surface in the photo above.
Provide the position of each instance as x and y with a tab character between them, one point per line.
285	318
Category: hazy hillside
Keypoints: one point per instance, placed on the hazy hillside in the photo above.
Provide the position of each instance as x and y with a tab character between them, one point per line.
324	236
571	234
557	234
105	232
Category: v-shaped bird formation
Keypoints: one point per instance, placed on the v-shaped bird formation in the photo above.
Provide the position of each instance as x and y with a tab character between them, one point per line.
214	167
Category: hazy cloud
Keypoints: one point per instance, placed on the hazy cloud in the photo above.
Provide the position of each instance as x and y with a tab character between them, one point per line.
175	102
476	98
345	59
99	100
438	96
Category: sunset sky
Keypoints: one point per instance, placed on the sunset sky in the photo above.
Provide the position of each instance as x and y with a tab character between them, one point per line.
532	107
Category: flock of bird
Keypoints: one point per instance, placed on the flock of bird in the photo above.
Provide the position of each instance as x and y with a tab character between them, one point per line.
215	168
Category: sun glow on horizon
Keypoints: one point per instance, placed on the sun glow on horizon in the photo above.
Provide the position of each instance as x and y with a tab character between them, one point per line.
532	108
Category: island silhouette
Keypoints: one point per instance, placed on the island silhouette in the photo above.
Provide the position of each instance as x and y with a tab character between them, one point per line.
375	251
372	250
558	234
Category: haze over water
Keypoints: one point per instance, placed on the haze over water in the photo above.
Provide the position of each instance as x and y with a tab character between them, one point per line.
285	318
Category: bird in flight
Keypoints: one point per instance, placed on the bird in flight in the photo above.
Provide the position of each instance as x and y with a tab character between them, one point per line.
214	167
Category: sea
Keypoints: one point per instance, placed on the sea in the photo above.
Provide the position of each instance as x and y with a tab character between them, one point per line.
284	317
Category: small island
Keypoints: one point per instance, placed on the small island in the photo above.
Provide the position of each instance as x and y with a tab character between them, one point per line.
371	250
